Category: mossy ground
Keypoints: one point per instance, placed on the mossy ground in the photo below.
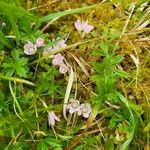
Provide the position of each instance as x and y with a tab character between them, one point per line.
121	26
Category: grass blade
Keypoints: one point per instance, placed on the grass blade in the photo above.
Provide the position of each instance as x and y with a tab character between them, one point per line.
66	12
4	41
125	145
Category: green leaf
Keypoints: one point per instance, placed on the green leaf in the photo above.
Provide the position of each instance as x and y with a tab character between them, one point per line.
15	11
125	145
52	142
121	73
80	147
99	67
42	146
14	26
147	128
15	54
105	49
64	13
21	72
1	101
117	59
15	65
13	14
109	145
4	41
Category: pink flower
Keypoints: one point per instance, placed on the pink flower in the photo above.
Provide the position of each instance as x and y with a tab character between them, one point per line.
87	28
63	68
30	48
39	42
58	59
83	26
48	50
78	25
85	110
73	105
61	44
52	118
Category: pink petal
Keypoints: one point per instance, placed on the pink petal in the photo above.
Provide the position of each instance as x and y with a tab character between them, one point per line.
79	112
72	110
39	42
85	115
52	117
61	44
51	122
56	118
30	51
88	29
63	68
30	48
78	25
68	106
28	45
58	59
50	49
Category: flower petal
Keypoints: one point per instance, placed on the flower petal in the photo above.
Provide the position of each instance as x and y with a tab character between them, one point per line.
58	59
39	42
78	25
63	68
71	110
85	115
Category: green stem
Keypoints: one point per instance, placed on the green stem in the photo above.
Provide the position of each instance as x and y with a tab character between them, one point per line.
17	80
14	98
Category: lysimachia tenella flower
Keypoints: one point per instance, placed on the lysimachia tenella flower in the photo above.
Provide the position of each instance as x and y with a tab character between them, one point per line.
47	51
60	44
83	26
40	42
58	59
30	48
73	105
78	25
52	118
87	28
85	110
63	68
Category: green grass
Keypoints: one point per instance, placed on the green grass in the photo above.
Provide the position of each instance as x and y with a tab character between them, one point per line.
108	68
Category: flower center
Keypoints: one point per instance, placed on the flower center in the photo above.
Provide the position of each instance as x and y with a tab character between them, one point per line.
75	105
84	109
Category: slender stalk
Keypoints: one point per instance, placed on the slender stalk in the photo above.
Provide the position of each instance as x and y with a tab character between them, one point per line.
17	80
14	98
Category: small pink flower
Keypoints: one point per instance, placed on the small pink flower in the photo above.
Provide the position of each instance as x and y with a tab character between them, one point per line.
58	59
52	118
63	68
30	48
87	28
85	110
48	50
73	105
39	42
83	26
78	25
61	44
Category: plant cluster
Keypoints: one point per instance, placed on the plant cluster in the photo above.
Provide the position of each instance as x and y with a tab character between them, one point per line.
71	81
